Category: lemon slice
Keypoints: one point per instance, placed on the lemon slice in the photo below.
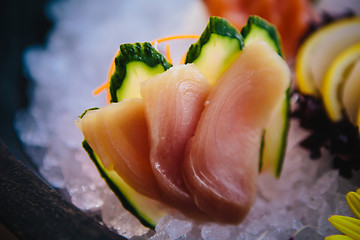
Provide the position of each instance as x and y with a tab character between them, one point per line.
318	51
335	77
351	92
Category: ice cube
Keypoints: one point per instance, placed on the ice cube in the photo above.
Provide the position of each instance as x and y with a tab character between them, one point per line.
326	183
51	170
178	228
307	233
85	196
341	206
116	217
160	236
31	131
324	226
345	186
215	231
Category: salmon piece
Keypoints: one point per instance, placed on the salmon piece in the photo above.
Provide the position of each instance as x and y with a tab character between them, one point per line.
173	103
221	162
118	134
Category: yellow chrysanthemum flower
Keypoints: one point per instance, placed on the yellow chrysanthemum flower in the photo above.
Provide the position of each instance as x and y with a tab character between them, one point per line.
348	225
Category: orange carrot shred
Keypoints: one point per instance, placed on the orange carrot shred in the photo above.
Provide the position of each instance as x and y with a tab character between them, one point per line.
174	38
168	56
155	42
100	88
183	58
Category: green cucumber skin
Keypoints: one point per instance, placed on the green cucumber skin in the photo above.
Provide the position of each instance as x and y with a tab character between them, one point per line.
218	26
274	38
87	110
270	29
261	152
123	199
141	52
284	135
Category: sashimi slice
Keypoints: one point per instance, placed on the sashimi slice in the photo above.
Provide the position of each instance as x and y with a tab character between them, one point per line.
173	103
118	135
222	159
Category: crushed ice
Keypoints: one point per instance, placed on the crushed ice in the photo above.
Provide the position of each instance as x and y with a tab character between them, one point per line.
75	61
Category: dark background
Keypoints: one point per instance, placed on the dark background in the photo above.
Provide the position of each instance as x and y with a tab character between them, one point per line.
23	23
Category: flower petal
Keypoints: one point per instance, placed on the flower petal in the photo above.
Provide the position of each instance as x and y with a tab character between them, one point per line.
347	225
338	237
353	200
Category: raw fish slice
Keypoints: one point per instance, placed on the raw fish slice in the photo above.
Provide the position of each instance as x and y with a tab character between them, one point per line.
222	160
173	103
118	135
86	125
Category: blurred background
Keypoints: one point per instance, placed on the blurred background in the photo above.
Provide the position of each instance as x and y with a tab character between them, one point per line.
23	24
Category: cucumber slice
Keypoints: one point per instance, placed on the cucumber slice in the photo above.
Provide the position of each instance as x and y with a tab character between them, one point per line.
218	46
146	210
274	140
259	28
135	63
